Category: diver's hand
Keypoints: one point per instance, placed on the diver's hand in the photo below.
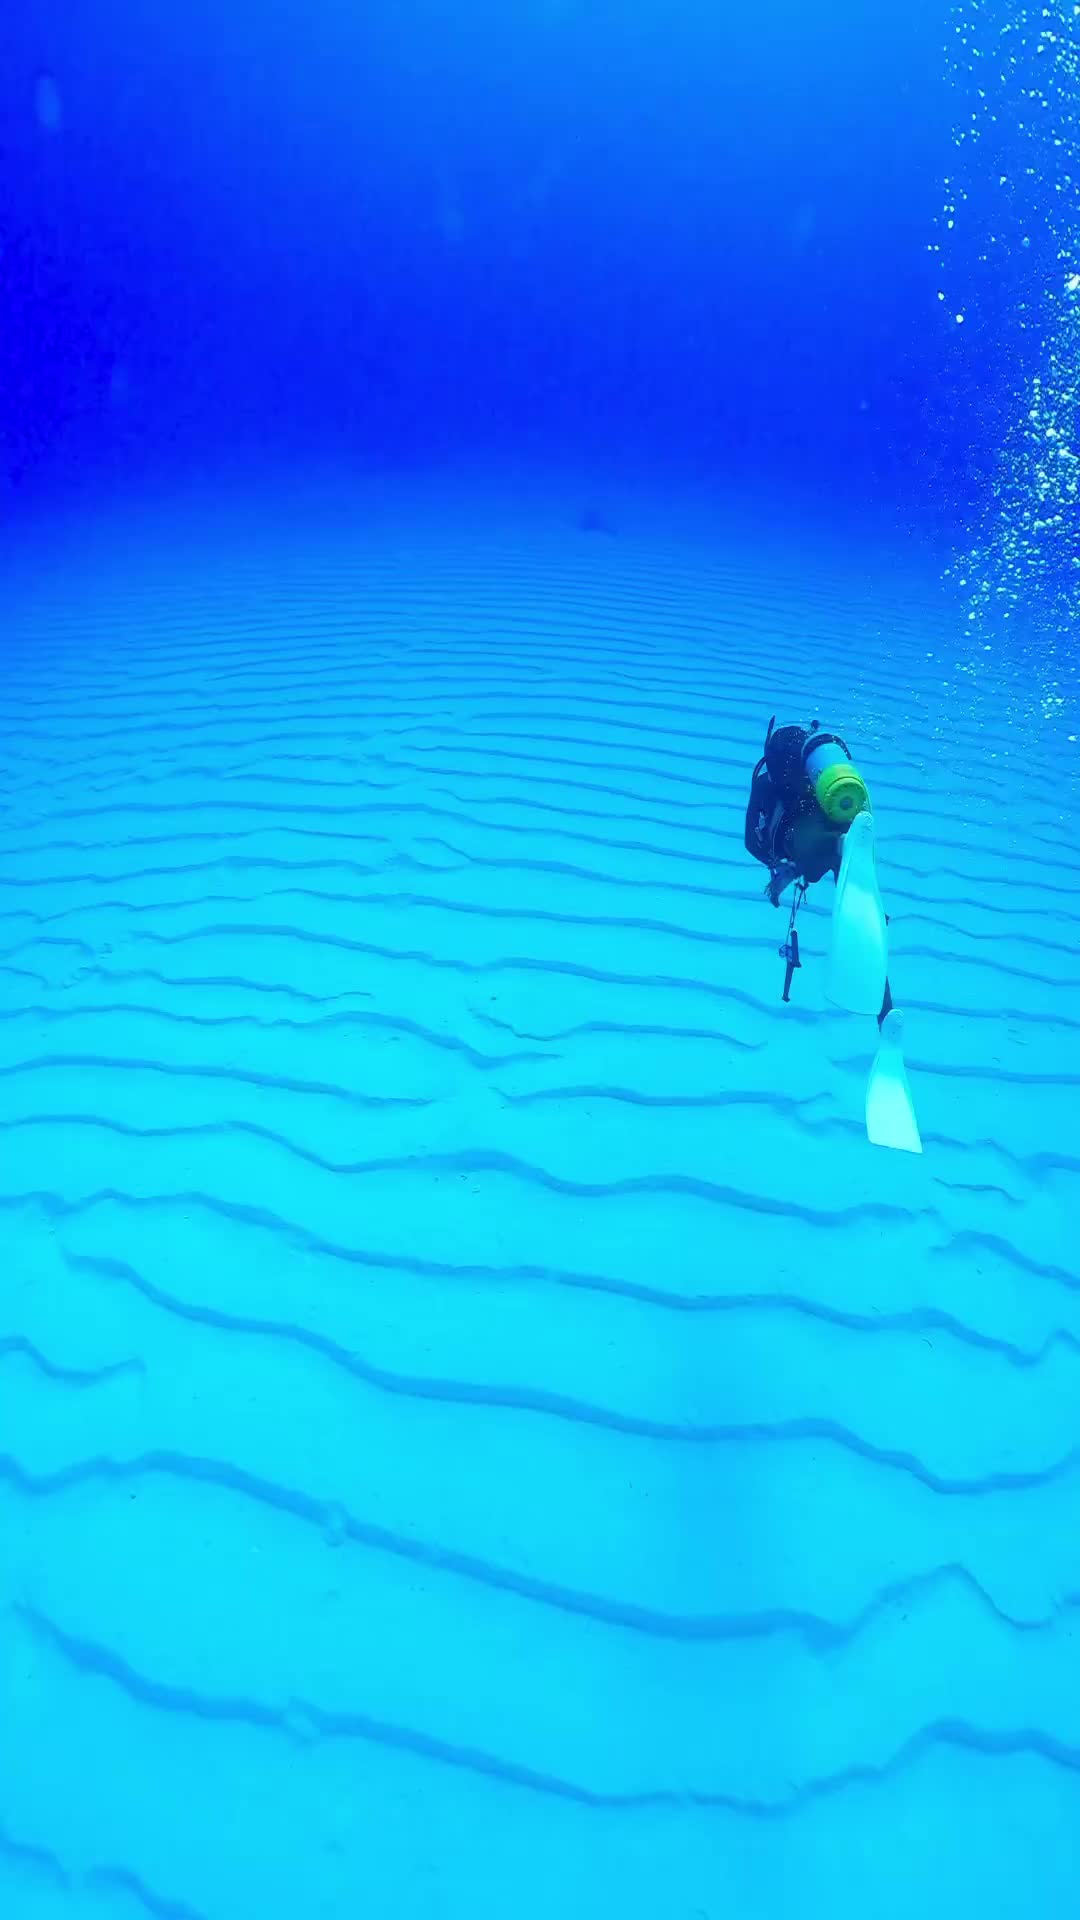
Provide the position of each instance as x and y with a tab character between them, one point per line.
782	877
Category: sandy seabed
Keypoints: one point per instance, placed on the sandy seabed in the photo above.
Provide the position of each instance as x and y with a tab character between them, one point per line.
483	1433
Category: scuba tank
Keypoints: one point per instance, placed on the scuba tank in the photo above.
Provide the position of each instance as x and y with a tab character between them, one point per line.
839	788
801	758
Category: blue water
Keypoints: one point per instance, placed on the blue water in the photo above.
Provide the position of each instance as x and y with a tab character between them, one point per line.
483	1430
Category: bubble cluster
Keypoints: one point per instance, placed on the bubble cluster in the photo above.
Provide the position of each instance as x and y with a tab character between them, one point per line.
1009	230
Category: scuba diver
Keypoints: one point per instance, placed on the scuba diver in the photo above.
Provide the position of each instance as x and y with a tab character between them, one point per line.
809	815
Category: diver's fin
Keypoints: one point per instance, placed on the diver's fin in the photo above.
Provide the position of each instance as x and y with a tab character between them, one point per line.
890	1116
858	945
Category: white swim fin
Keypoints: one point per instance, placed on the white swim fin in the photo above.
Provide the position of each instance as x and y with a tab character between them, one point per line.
890	1115
858	944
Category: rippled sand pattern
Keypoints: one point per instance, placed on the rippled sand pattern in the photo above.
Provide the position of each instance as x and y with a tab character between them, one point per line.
482	1432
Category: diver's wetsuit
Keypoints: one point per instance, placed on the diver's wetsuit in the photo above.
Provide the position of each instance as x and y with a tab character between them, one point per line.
786	829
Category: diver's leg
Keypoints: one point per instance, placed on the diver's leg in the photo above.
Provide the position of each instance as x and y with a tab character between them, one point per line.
858	956
887	999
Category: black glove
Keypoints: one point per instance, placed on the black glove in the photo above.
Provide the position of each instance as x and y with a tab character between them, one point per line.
782	877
